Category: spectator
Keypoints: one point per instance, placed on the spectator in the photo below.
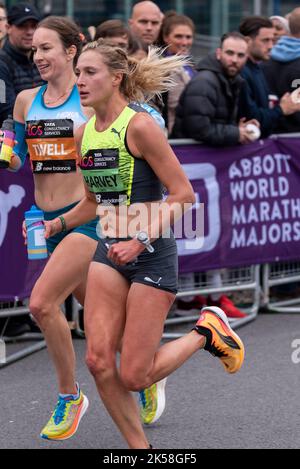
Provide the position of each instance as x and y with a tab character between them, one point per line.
207	109
3	24
207	112
137	48
281	27
177	34
145	21
115	31
254	98
282	72
16	66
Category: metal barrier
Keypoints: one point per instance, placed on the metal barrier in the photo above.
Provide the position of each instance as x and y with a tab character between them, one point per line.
242	279
25	351
280	273
233	280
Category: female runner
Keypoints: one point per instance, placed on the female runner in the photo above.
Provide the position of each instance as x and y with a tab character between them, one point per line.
132	281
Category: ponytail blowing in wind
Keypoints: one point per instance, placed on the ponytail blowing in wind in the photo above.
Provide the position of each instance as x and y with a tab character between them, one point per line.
142	79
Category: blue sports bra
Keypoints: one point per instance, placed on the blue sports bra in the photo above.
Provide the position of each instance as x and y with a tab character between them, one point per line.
49	134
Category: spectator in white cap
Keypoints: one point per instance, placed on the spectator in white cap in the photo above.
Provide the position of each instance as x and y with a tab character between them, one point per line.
281	27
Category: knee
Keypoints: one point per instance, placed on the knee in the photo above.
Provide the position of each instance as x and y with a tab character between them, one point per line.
39	308
134	379
101	365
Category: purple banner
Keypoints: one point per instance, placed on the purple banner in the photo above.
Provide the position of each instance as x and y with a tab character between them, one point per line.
252	211
252	204
17	274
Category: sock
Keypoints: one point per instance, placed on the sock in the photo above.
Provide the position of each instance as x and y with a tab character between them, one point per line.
206	333
74	396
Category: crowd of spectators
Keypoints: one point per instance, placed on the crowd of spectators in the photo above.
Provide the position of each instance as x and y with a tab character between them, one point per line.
248	79
231	85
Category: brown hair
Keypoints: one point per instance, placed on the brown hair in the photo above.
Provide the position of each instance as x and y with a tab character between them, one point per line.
142	79
233	35
172	19
111	28
251	25
294	22
68	31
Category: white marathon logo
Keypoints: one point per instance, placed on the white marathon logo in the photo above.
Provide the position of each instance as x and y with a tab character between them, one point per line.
201	243
7	202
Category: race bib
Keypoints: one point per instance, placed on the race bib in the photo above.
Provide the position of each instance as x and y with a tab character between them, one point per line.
100	169
51	145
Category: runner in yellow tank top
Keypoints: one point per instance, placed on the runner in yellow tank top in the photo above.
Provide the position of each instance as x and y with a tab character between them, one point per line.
132	279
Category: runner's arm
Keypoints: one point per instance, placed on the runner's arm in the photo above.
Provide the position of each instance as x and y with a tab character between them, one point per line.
142	132
83	212
20	149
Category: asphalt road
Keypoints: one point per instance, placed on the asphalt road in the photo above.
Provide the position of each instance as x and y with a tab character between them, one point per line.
206	408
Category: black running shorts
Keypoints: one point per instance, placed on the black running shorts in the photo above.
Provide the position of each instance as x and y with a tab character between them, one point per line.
158	269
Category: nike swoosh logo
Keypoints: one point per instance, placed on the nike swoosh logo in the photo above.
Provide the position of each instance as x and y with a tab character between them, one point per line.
227	339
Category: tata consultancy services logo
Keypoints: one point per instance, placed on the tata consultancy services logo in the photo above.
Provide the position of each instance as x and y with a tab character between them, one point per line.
9	201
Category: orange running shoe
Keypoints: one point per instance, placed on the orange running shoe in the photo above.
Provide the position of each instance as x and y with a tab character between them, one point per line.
221	340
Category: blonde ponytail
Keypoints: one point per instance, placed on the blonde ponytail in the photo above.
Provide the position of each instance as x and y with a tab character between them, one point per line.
142	79
152	75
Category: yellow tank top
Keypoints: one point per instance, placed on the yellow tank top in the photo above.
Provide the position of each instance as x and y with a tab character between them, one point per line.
110	171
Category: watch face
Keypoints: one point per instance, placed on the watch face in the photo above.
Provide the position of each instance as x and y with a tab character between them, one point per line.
142	236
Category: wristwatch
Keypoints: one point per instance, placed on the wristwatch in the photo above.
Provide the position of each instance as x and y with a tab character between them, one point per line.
143	238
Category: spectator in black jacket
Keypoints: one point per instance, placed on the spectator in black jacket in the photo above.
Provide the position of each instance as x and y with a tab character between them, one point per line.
17	70
207	112
3	23
282	71
207	109
254	98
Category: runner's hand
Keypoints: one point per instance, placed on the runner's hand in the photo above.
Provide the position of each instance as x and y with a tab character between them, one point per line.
24	232
52	227
124	252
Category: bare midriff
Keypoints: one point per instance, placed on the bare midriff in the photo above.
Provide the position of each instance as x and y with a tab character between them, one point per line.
125	221
55	191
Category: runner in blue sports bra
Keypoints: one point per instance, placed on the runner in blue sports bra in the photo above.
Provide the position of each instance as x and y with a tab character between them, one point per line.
45	121
125	161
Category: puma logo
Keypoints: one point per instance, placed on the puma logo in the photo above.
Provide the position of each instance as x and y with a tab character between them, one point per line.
114	131
148	279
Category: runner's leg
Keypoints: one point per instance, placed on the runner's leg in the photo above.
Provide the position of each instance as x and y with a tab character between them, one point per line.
65	270
105	315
